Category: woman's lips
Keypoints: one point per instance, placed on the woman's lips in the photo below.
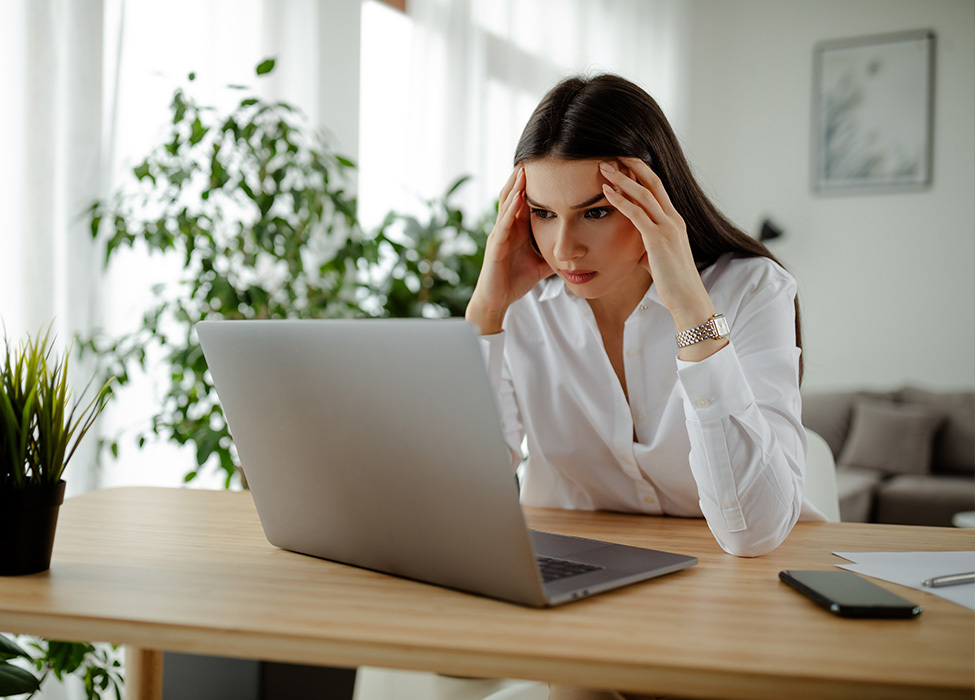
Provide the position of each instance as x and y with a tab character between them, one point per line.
577	276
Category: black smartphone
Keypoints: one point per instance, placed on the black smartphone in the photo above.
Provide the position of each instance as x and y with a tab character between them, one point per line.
846	594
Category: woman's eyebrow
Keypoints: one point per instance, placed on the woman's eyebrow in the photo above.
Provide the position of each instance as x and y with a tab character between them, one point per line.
588	203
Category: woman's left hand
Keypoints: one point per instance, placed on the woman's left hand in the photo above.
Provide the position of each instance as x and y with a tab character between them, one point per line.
638	193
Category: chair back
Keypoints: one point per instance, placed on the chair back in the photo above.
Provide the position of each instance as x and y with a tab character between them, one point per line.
821	477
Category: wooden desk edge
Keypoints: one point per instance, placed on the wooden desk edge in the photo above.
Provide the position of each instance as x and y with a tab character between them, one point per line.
144	645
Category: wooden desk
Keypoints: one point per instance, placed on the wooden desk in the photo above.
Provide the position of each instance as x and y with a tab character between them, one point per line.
190	571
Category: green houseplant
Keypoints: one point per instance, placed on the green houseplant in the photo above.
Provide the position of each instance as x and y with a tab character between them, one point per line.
40	429
256	205
98	667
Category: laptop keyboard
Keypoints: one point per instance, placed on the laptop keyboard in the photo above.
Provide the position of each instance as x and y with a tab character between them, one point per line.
555	569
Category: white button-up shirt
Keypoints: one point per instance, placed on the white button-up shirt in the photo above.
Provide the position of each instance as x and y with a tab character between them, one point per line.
720	438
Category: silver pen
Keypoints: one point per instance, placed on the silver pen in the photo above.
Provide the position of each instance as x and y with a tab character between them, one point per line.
950	580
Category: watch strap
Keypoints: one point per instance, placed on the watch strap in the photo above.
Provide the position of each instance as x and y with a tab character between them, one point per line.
715	327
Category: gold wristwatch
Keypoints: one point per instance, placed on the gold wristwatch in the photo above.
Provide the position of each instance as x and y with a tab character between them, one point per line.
715	327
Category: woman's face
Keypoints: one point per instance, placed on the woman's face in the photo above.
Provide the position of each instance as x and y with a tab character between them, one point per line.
587	242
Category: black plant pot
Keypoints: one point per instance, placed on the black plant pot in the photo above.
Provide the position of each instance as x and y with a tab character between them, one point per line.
28	518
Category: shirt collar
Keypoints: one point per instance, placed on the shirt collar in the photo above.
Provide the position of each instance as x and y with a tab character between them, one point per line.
552	287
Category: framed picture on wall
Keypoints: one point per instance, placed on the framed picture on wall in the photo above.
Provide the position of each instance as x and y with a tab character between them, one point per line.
873	99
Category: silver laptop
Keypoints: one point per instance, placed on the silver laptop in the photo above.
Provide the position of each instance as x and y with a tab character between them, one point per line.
377	443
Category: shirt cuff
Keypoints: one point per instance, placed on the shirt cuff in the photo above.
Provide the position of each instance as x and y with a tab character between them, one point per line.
714	387
492	348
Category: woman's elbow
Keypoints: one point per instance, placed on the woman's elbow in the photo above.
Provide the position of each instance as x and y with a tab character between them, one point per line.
741	547
754	542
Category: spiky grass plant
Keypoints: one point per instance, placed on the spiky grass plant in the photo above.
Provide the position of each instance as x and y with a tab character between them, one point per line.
40	426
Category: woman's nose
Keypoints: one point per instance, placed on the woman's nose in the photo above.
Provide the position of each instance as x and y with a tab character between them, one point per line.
567	246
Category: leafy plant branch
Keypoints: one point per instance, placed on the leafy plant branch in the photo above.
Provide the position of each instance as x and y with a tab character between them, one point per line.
98	667
256	205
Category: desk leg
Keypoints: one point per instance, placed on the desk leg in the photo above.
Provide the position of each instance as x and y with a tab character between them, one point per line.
143	673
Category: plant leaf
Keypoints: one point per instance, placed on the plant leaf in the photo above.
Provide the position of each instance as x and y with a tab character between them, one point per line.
16	681
9	649
265	67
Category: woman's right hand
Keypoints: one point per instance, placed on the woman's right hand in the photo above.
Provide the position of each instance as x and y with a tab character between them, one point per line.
511	264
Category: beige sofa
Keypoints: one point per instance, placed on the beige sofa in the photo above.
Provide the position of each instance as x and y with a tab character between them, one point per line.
905	456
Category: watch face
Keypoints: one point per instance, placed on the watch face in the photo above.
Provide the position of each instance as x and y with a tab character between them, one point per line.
721	326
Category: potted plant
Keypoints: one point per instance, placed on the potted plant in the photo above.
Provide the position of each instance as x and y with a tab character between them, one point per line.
40	429
257	206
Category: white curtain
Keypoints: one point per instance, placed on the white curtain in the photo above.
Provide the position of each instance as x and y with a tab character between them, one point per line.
479	67
52	57
315	43
85	91
53	165
221	42
52	53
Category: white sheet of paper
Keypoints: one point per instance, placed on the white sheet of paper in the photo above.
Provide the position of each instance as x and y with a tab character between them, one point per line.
911	568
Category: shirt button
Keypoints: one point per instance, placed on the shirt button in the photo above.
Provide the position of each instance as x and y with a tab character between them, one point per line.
650	500
643	307
626	460
640	417
703	402
633	352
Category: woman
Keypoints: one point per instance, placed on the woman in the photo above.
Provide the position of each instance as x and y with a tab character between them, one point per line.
647	348
595	301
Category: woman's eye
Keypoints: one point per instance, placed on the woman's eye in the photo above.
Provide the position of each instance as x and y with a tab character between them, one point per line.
542	213
598	212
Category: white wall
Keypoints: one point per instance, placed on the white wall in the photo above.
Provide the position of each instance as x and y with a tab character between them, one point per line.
887	281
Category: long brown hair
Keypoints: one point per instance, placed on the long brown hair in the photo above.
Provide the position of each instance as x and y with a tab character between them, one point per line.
607	116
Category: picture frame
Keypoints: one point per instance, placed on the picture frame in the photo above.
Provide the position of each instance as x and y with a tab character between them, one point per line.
873	104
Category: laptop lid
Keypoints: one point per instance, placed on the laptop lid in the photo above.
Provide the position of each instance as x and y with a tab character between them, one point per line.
377	443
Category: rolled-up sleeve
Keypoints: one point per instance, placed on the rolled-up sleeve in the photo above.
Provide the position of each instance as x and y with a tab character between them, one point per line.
743	416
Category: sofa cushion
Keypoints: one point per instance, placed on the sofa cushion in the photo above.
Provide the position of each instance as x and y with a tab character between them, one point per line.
828	413
855	488
954	443
923	500
896	439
